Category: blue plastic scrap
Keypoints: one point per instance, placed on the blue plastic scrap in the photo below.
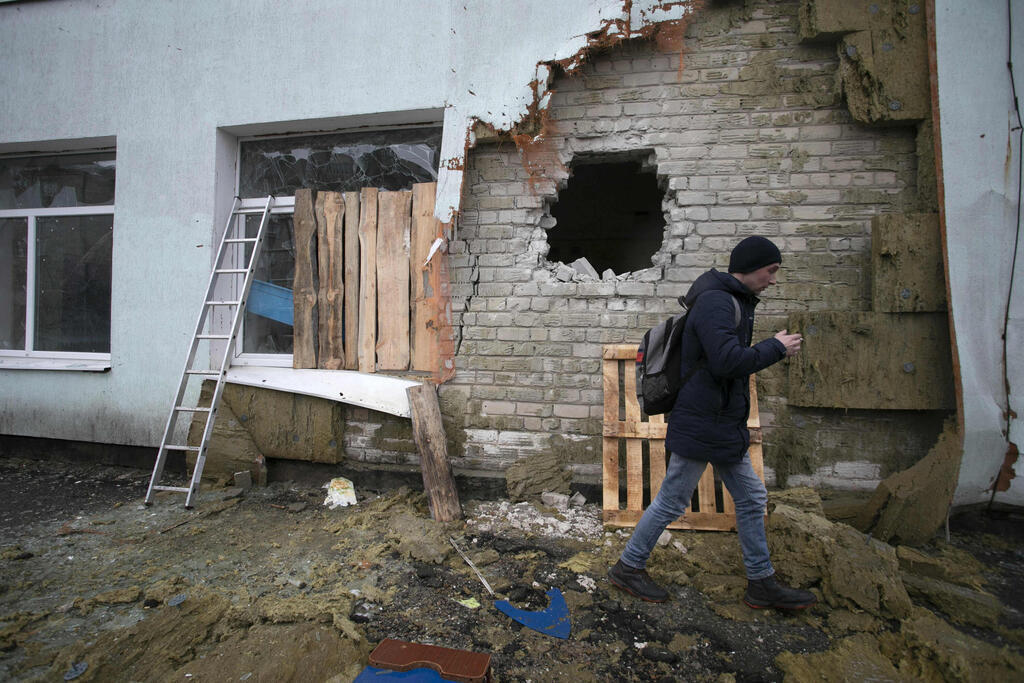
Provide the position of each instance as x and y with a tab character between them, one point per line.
420	675
553	621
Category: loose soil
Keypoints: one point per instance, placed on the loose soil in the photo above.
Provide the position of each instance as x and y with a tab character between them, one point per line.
268	584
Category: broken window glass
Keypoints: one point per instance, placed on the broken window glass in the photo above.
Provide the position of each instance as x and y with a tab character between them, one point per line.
73	255
44	182
610	214
386	159
13	252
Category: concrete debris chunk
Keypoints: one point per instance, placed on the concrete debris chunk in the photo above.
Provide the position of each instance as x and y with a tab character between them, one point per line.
665	538
577	499
608	275
564	273
583	267
555	500
243	480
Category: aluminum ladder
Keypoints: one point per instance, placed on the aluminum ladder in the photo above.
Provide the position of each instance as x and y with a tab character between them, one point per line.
225	275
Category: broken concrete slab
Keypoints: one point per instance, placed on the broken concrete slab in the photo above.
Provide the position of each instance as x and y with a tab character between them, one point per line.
910	506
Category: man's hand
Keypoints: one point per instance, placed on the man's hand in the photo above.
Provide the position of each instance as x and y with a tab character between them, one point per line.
790	341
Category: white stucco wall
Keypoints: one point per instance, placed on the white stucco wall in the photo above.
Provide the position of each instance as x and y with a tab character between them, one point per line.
981	168
174	82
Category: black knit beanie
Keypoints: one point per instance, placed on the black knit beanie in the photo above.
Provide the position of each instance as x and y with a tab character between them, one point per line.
752	253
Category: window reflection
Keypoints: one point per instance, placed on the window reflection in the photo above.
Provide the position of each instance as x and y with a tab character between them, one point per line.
56	181
73	283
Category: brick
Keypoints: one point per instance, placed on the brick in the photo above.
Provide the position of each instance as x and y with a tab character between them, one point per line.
571	411
498	407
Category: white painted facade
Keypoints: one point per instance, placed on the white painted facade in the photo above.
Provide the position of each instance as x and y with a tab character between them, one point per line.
174	85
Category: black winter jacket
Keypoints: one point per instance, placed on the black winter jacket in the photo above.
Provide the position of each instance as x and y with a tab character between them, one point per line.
709	420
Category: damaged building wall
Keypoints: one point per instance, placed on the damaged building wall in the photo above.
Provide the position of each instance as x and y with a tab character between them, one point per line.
751	135
173	86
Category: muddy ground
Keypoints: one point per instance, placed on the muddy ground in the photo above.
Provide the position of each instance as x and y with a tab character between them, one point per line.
270	585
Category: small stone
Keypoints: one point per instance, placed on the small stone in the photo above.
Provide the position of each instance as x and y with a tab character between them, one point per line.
608	275
577	499
296	507
665	538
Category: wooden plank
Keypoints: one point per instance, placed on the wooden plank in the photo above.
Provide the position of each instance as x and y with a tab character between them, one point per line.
305	332
351	309
367	359
610	382
428	433
619	352
634	475
330	211
696	521
393	218
610	478
424	343
635	430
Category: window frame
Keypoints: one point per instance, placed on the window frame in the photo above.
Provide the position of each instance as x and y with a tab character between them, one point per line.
29	358
286	205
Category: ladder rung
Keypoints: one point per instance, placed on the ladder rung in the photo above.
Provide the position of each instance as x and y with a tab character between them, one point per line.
181	448
179	489
223	303
210	373
237	240
213	336
231	270
191	409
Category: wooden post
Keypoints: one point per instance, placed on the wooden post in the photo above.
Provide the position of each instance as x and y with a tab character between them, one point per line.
428	432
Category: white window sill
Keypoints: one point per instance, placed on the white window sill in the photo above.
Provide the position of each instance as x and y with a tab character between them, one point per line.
72	364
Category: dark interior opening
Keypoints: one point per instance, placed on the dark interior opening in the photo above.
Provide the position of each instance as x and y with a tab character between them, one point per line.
609	212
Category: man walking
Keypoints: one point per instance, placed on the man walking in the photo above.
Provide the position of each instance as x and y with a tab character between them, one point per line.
709	424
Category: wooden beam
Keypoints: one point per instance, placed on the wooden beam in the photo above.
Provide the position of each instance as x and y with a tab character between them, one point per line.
428	433
424	343
393	219
351	280
330	209
304	340
367	279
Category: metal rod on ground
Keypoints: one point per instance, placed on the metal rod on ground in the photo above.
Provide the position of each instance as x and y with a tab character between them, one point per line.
472	566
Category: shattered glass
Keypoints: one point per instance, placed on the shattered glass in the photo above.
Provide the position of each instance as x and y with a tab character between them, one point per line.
341	162
13	255
45	182
73	256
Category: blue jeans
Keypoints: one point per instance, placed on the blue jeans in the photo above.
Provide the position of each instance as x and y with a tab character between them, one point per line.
674	497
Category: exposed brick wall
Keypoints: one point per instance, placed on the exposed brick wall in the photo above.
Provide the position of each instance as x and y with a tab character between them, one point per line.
750	137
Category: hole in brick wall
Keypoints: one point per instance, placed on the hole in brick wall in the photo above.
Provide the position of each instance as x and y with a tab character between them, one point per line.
609	213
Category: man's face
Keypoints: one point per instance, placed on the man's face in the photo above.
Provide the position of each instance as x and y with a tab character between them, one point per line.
760	279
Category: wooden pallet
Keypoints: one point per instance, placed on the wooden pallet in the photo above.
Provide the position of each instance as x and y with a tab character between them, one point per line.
627	429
